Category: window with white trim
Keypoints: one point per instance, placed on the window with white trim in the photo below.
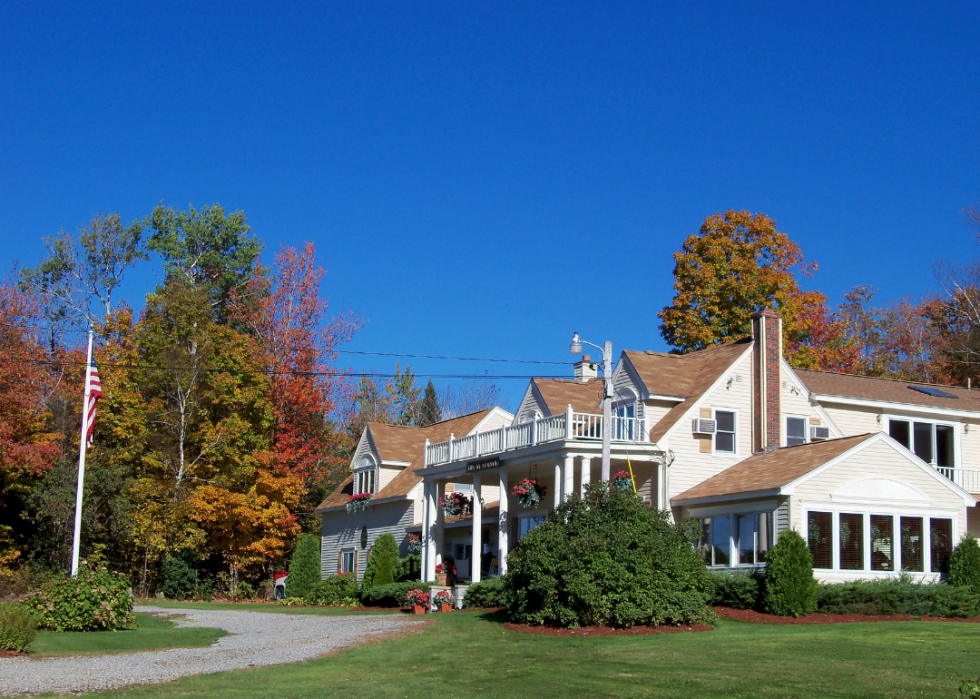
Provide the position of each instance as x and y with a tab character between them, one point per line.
364	482
526	524
347	561
796	431
725	441
624	425
736	540
932	442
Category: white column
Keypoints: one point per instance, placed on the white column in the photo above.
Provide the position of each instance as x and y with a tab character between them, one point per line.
503	524
429	533
476	556
586	473
558	481
569	472
440	524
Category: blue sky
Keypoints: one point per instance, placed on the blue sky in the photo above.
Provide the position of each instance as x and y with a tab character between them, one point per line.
481	180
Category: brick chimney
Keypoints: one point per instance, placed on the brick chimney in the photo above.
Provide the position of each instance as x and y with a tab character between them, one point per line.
767	331
585	369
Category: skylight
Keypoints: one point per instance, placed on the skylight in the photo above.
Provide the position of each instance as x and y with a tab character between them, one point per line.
930	391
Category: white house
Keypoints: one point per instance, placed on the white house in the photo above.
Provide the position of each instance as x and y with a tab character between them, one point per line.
880	476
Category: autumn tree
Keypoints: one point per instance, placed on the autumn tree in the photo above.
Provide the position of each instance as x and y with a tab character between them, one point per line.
736	265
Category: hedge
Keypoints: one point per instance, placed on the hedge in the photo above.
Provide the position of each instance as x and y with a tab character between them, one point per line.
94	600
486	594
392	595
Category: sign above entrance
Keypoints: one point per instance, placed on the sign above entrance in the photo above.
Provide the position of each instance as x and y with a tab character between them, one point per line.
482	465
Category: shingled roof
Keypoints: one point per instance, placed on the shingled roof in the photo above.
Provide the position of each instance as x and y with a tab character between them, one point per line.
407	444
773	469
558	394
887	390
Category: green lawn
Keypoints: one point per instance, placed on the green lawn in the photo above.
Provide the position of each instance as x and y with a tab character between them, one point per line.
257	607
473	655
153	633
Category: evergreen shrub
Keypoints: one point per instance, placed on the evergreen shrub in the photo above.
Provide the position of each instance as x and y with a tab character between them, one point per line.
304	568
383	563
902	595
964	563
336	590
94	600
790	589
410	568
486	594
606	559
17	629
177	578
736	589
392	595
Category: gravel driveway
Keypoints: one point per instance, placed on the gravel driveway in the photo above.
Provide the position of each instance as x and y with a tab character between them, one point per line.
259	638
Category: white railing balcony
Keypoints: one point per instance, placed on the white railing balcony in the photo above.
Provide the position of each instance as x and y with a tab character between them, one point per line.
967	479
567	426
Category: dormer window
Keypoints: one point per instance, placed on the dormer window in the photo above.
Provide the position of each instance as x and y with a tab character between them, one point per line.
364	481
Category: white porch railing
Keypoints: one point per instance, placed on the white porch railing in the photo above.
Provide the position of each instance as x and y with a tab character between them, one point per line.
566	426
968	480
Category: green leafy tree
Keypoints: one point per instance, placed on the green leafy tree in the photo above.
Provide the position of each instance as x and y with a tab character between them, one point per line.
964	563
304	569
383	564
736	265
790	589
429	412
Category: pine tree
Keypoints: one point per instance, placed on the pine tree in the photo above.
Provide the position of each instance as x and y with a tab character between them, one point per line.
790	587
385	549
304	569
964	563
429	410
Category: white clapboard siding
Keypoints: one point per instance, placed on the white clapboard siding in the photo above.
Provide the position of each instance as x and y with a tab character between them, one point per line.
341	530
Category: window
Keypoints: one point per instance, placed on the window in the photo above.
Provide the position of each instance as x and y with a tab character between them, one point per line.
941	540
624	424
911	528
721	545
932	443
526	524
754	537
725	432
364	482
347	561
460	488
819	526
882	542
795	431
851	532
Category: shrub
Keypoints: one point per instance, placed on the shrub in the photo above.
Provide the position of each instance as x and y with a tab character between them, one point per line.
900	595
392	595
17	630
177	578
410	568
292	602
384	559
964	563
606	559
304	568
953	601
790	589
334	591
736	590
94	600
14	582
971	688
486	594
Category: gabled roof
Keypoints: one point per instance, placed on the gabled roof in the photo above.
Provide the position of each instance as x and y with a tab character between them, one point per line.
558	394
686	376
407	444
887	390
772	470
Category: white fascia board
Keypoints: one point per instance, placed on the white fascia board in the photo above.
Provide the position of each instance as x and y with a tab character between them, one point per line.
728	497
810	397
658	396
968	499
396	464
696	405
891	406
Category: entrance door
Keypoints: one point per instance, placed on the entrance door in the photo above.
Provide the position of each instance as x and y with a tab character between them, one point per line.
463	554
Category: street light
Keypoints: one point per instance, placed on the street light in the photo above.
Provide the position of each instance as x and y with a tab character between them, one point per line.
576	348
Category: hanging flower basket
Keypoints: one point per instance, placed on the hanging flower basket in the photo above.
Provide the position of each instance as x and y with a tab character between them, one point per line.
529	492
414	544
623	481
454	504
357	503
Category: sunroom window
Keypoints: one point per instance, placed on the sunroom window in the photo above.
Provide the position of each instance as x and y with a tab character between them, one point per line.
932	443
751	534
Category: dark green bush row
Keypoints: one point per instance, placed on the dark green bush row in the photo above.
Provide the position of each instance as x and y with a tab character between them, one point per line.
17	630
335	590
486	594
94	600
898	596
392	595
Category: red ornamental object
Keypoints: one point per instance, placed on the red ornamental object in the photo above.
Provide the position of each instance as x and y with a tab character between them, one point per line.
356	503
623	480
454	504
529	492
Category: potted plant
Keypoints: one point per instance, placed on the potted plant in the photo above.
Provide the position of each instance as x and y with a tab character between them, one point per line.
414	544
444	570
444	599
357	503
418	600
624	481
529	492
454	504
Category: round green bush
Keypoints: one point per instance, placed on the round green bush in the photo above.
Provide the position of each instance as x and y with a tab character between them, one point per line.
335	590
606	559
964	564
486	594
94	600
17	630
383	563
790	588
177	578
735	589
304	568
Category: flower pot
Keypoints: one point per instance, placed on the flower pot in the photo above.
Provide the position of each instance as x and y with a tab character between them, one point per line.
445	607
441	578
418	609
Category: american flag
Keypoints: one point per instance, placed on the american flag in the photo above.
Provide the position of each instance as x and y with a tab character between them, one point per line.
94	393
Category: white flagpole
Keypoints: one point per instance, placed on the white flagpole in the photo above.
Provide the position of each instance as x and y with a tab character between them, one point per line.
77	538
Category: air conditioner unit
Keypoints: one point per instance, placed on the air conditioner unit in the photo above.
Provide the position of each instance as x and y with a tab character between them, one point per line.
703	426
818	433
